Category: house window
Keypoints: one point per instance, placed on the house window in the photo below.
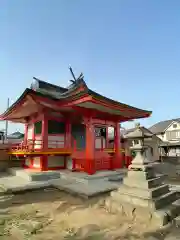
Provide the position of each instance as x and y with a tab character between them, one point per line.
178	134
174	125
172	134
55	127
38	128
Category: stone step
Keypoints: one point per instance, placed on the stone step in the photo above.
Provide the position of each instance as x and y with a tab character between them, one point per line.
167	214
160	190
172	210
44	176
84	178
19	172
117	178
150	183
141	175
34	176
165	200
144	193
84	190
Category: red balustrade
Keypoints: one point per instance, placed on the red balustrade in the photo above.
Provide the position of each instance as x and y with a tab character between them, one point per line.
103	163
37	145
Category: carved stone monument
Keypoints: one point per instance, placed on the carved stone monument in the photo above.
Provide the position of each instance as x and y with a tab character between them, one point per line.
143	195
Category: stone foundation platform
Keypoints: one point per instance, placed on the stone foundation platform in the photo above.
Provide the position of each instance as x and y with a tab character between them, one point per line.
144	197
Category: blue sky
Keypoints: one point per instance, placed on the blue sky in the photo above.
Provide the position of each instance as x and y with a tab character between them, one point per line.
128	50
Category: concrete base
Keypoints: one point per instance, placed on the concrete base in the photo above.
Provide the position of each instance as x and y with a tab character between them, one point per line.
85	190
34	175
144	196
79	184
134	212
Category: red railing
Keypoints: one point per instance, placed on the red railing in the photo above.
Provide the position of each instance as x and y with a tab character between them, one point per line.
37	145
103	163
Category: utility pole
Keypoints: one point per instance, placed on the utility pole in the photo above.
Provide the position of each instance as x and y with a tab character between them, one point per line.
6	129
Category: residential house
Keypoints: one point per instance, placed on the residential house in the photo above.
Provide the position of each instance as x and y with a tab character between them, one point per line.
15	137
169	132
154	142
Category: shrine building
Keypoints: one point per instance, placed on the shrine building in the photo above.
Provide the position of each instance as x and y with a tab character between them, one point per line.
67	128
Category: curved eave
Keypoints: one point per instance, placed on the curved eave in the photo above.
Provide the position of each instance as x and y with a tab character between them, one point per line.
76	93
15	104
117	104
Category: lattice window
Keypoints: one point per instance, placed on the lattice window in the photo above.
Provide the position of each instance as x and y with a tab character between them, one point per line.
55	127
38	127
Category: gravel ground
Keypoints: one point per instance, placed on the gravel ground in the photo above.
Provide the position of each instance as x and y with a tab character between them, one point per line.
54	215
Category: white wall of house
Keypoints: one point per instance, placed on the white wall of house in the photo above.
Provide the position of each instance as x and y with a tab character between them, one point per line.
161	136
171	133
172	127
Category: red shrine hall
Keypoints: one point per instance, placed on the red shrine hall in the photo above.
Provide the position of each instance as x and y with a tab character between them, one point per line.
67	128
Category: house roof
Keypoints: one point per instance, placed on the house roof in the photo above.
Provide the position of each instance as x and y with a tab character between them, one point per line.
15	135
144	130
160	127
137	132
65	98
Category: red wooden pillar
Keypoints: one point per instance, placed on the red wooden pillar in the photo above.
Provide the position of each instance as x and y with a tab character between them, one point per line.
25	143
117	162
107	137
25	133
68	143
44	135
90	147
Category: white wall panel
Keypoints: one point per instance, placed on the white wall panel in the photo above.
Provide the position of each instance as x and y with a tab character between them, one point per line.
36	162
30	131
38	142
55	161
55	141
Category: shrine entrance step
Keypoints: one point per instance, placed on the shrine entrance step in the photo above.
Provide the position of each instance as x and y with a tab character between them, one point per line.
33	175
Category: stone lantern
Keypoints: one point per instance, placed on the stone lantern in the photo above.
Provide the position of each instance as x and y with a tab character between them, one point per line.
137	137
143	195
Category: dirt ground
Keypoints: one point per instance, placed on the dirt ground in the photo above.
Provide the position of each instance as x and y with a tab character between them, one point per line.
53	215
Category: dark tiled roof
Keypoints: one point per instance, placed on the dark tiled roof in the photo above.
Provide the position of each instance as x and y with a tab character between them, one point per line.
127	131
56	91
138	132
143	129
16	135
161	126
74	91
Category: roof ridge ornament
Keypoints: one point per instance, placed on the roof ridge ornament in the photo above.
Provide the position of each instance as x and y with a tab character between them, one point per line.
81	76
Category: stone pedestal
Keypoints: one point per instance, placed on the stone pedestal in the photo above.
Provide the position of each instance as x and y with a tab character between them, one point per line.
143	195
